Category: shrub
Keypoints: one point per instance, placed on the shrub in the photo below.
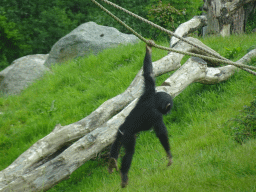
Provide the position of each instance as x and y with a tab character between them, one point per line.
243	126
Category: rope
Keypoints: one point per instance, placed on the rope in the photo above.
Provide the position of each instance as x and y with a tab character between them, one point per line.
163	29
160	28
221	59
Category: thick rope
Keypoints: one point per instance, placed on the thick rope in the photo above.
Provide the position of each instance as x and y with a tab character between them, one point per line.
163	29
222	59
160	28
171	33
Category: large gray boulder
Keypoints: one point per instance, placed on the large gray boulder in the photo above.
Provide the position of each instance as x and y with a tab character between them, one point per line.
21	73
85	39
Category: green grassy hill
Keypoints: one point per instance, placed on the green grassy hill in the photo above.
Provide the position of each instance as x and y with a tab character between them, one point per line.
206	154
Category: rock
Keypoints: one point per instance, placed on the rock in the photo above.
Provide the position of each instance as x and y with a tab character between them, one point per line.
4	72
85	39
22	72
251	48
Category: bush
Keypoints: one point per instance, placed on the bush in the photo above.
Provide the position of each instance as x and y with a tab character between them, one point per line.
164	15
170	14
11	41
251	22
232	53
243	126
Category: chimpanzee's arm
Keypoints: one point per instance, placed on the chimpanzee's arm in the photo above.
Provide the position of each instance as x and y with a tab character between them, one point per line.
162	134
148	73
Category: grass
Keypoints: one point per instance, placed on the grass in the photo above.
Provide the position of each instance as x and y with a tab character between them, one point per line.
206	156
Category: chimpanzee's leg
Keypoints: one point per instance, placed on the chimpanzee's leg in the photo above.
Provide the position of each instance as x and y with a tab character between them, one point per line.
129	145
114	152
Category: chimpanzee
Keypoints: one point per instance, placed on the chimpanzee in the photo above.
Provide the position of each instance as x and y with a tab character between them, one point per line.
147	113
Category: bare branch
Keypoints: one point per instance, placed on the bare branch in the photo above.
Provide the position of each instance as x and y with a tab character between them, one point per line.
188	27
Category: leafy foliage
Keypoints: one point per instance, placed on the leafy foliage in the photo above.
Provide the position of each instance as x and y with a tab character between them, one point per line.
243	126
164	15
33	26
54	28
11	41
231	53
251	22
170	14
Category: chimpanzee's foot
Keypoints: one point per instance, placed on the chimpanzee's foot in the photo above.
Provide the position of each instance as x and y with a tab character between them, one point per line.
112	165
169	161
124	178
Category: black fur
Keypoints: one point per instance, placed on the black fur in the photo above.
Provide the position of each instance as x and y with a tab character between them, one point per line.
147	113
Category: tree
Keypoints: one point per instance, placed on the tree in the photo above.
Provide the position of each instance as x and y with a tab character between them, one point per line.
227	17
11	41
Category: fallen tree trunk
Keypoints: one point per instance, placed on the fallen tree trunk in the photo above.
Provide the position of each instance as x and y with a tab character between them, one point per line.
57	155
